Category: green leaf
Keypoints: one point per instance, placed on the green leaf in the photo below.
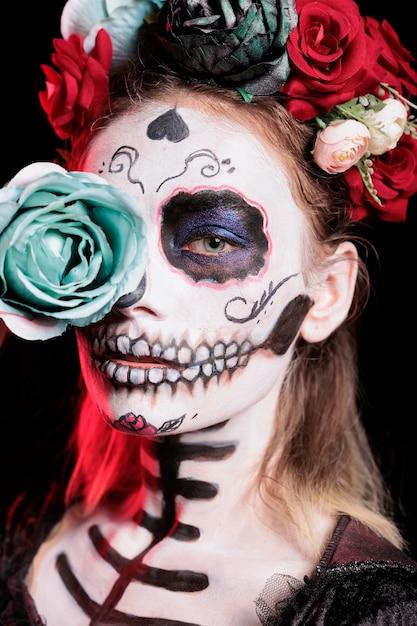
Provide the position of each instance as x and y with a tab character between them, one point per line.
365	170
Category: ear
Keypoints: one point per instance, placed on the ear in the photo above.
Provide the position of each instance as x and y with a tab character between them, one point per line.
332	294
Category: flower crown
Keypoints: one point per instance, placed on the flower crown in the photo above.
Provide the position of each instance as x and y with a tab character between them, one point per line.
73	245
347	73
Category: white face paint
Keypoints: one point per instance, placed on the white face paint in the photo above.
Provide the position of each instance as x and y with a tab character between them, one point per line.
206	339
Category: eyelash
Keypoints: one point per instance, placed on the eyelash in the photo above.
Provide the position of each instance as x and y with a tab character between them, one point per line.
210	233
214	246
193	245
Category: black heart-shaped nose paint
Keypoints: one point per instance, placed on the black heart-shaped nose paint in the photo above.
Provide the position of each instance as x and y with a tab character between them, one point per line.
168	126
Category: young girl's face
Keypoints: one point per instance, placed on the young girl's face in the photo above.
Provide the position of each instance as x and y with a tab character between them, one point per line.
209	332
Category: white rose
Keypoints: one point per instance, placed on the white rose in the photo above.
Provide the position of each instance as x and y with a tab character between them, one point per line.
385	126
120	18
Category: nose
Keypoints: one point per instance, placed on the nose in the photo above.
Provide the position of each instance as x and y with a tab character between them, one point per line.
159	294
133	303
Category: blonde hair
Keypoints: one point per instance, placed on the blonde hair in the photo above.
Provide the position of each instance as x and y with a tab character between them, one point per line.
319	456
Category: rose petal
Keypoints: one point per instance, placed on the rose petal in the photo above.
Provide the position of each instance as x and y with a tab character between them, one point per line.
71	246
31	328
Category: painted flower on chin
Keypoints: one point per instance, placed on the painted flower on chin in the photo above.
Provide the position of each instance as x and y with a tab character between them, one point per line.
240	43
70	246
136	424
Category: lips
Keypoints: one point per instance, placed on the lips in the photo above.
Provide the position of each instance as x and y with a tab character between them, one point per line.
138	362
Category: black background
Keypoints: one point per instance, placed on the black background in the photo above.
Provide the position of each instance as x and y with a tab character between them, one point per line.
34	375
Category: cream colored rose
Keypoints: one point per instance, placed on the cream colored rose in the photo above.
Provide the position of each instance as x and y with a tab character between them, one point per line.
385	125
340	145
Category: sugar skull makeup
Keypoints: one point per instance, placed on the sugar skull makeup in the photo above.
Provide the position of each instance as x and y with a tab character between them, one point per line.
222	298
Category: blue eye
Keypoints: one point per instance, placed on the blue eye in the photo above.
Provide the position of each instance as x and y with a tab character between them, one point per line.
213	235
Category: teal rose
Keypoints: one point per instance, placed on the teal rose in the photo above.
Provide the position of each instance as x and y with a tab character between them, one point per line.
70	246
238	44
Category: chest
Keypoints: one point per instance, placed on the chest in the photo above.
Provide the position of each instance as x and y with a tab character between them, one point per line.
98	572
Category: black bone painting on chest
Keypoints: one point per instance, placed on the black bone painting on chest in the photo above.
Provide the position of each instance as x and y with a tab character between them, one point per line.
170	452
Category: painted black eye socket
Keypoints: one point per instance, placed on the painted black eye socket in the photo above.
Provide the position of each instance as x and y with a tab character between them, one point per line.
213	235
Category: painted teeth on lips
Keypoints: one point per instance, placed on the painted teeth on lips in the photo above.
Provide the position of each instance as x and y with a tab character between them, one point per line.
140	362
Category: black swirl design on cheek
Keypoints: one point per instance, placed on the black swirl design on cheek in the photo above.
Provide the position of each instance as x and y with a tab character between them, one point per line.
125	158
258	305
169	126
289	322
208	170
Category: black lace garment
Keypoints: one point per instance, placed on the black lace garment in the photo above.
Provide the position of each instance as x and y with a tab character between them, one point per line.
361	580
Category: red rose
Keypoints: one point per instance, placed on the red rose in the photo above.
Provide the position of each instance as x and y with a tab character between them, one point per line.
75	94
332	58
394	60
395	181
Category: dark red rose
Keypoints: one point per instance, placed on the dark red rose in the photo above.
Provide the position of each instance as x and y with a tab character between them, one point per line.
395	180
332	58
394	60
76	91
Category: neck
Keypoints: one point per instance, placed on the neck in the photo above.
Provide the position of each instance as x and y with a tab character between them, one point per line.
204	479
